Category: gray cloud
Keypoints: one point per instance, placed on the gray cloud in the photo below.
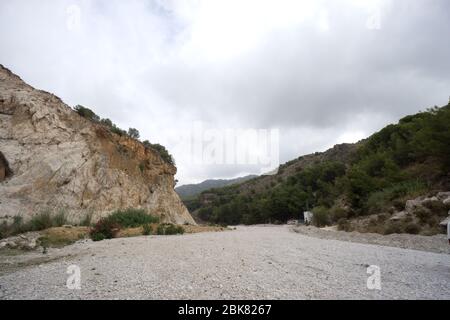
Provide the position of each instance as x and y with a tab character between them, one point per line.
314	69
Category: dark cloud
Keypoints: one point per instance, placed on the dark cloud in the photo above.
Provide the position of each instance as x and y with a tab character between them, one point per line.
321	72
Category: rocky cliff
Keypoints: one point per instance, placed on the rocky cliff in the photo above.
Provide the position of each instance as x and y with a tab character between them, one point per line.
51	158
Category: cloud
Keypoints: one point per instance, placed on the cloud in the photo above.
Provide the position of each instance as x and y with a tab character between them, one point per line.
319	71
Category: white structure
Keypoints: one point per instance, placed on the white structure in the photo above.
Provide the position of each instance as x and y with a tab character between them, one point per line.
307	217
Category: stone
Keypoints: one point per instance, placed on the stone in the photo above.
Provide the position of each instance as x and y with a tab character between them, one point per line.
11	244
443	196
411	205
31	245
60	160
398	216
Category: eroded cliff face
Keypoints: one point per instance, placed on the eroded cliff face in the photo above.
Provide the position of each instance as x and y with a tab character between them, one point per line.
55	159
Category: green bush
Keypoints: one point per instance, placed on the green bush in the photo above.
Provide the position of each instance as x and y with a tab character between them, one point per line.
133	133
393	227
337	213
60	219
147	230
41	221
104	229
320	217
165	155
97	236
412	228
87	220
169	229
86	113
131	218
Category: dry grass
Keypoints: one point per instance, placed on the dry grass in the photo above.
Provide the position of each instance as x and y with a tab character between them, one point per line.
197	229
134	232
62	236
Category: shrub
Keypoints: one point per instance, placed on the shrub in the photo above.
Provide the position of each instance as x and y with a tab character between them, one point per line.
87	220
117	130
436	207
344	225
4	230
133	133
104	229
60	219
147	230
41	221
86	113
165	155
320	216
132	218
423	214
97	236
393	227
169	229
412	228
338	213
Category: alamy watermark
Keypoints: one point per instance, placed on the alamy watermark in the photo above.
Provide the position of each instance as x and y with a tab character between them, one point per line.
374	280
232	146
73	21
74	280
374	20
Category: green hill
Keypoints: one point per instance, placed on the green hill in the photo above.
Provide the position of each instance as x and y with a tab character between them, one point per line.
188	191
375	176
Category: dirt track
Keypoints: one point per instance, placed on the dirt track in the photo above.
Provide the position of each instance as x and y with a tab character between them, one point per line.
248	263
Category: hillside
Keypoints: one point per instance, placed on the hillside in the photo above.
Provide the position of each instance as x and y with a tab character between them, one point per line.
53	158
190	190
377	176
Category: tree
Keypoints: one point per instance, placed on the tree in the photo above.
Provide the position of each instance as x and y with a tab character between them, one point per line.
133	133
86	113
107	122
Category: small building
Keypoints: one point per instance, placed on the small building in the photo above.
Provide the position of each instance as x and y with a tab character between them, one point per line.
307	217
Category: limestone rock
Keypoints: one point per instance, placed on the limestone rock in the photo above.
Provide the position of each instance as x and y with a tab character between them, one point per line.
56	159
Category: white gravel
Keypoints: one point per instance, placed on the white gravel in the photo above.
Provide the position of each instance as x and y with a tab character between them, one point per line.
259	262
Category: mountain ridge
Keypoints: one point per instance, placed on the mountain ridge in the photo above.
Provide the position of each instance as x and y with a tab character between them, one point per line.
193	189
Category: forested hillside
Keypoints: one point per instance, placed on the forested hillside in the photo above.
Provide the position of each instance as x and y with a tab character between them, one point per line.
400	162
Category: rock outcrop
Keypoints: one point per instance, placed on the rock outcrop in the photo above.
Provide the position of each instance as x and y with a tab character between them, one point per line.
52	158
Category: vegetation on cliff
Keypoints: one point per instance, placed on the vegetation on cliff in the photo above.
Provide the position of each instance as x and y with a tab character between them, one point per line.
132	132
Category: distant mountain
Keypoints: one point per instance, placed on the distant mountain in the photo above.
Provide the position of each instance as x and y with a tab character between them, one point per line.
191	190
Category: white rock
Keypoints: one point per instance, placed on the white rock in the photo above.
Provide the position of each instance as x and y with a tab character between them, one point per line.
443	196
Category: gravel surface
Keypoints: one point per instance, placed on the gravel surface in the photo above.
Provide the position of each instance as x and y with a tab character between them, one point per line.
258	262
437	243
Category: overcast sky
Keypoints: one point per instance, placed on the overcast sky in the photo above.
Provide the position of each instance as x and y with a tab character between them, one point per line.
321	72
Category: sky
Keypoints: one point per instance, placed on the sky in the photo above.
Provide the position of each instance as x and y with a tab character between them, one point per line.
281	78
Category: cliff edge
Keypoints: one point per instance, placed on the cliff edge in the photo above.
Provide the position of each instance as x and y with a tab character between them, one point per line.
51	158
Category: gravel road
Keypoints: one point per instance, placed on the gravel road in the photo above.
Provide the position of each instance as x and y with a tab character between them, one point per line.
258	262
